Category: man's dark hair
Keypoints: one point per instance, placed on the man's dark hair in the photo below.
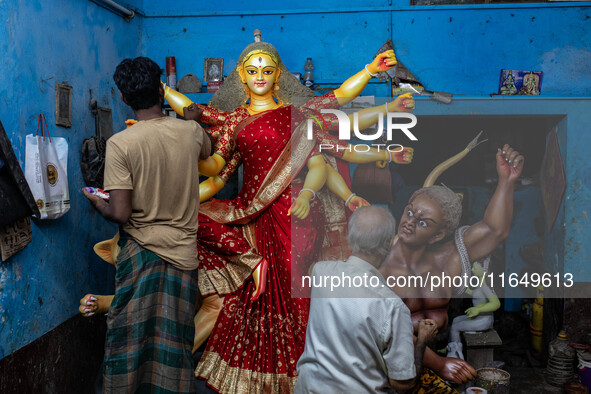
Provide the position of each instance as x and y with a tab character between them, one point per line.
139	82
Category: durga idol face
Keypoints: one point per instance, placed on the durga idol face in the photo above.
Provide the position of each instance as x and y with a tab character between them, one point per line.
259	72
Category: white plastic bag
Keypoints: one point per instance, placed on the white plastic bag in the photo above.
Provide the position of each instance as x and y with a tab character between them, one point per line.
46	170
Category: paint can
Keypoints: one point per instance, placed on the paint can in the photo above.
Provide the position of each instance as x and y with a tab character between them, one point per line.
171	72
493	380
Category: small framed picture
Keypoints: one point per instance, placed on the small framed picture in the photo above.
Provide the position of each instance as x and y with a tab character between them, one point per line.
63	104
213	70
520	82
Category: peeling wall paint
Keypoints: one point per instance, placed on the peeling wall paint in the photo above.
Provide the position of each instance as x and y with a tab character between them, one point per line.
44	42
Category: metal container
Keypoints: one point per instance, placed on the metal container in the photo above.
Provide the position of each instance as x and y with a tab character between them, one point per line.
493	380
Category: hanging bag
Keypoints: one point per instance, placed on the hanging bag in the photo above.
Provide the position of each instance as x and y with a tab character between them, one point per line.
46	163
92	161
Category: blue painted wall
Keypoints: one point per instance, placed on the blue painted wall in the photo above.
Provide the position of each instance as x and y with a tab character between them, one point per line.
459	49
43	42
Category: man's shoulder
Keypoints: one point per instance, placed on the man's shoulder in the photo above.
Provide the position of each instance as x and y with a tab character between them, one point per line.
177	122
124	136
120	140
141	130
185	126
326	266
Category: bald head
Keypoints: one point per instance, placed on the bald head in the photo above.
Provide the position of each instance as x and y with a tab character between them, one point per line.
371	230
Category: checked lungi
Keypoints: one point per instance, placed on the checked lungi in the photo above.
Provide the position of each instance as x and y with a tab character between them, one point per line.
150	327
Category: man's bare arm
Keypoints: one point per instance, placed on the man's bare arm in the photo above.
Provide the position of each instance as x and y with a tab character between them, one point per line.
427	329
117	210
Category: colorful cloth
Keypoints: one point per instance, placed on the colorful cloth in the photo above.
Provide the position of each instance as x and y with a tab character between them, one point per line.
430	383
254	346
150	325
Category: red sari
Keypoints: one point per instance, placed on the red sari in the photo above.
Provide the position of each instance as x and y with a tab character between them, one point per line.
254	346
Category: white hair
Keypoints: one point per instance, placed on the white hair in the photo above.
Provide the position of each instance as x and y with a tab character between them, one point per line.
371	230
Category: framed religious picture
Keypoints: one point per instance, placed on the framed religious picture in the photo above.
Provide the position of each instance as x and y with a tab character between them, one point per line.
520	82
213	70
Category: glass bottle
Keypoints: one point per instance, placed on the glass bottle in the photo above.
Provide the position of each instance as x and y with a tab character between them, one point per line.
308	77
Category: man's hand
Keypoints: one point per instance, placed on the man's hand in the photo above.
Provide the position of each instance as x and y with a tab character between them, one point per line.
456	370
192	112
426	330
117	210
95	201
383	62
509	163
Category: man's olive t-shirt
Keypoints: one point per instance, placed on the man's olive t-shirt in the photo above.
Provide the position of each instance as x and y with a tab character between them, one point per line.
157	159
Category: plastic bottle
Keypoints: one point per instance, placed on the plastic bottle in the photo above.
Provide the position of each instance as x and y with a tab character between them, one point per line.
561	359
308	77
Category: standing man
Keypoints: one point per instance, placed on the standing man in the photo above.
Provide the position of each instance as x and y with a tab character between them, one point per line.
360	337
151	172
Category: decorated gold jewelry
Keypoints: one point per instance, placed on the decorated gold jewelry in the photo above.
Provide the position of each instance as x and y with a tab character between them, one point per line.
255	52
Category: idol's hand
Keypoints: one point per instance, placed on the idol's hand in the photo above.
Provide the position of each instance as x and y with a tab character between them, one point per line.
301	206
383	62
92	303
404	156
209	187
357	202
472	312
403	103
88	305
509	163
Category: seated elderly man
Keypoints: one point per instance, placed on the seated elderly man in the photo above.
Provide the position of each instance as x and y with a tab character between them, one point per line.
360	335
